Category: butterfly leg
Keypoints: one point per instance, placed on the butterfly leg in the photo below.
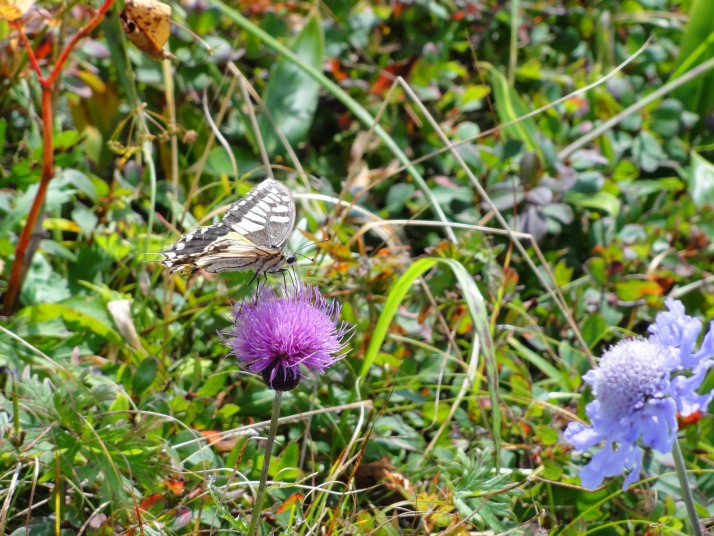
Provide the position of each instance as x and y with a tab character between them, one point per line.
294	279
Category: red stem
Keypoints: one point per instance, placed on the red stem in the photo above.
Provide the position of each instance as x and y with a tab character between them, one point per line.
83	32
33	60
23	254
17	273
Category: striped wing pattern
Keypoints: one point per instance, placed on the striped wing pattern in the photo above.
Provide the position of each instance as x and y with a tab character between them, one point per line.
251	236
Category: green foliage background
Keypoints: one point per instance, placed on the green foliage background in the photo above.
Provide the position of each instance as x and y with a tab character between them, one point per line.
120	412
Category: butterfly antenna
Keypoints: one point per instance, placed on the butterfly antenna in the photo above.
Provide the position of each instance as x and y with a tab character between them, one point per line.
297	252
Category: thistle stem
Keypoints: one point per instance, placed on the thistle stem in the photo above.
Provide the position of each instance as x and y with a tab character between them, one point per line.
254	529
686	490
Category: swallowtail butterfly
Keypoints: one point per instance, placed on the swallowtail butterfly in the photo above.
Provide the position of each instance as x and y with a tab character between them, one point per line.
251	236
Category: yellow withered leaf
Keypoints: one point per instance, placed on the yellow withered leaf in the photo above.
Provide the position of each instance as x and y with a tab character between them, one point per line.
14	9
147	23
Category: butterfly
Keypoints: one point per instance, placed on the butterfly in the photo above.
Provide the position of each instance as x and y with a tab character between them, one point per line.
251	236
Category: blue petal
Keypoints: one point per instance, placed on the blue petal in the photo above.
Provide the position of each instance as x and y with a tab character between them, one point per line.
684	388
660	425
706	350
674	328
582	437
634	463
605	463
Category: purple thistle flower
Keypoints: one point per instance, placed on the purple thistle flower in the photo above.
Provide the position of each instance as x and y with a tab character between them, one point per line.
639	386
277	332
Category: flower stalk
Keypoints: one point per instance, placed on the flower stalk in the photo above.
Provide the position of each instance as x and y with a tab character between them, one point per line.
258	506
687	496
277	334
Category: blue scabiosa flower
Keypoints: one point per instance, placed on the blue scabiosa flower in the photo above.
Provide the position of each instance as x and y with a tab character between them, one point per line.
640	385
277	332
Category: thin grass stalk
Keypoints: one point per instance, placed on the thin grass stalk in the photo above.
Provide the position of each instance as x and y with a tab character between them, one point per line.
171	108
697	71
357	109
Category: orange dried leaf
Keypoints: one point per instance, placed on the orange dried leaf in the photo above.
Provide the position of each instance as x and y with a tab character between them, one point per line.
175	485
217	441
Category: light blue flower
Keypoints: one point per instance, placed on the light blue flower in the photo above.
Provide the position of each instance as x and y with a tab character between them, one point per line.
640	385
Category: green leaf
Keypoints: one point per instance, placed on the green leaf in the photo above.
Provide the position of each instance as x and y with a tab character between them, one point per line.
473	95
547	434
80	181
666	118
3	129
286	465
701	181
647	151
510	107
213	385
541	364
291	95
145	375
42	284
114	245
398	196
477	309
85	218
73	318
697	46
636	289
602	201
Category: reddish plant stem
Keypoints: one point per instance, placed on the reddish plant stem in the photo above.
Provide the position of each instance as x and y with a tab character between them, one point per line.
31	53
19	265
23	252
83	32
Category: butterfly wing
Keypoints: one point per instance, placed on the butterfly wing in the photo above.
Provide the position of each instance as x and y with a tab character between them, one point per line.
265	217
251	236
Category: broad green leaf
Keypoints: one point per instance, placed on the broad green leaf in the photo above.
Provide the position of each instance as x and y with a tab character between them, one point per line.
43	284
85	218
647	151
285	466
145	375
701	181
697	46
74	319
80	181
472	97
636	289
291	95
602	201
